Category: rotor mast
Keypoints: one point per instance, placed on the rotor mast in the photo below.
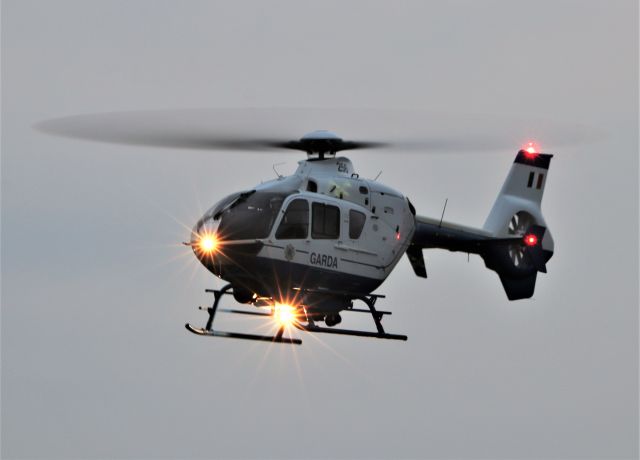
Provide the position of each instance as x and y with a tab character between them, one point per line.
322	144
318	144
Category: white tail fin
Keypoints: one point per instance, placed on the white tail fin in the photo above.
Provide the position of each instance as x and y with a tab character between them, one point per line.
515	212
518	203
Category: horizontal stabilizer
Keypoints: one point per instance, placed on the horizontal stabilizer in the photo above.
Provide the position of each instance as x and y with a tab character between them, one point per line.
414	253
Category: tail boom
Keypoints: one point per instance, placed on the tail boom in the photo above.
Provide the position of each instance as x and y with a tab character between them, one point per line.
514	241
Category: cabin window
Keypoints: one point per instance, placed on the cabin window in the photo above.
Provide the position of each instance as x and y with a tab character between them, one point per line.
325	223
356	224
295	222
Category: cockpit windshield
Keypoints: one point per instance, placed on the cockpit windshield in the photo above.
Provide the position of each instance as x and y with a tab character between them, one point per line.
221	205
248	215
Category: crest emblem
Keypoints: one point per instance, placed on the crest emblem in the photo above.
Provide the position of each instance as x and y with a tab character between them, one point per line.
289	252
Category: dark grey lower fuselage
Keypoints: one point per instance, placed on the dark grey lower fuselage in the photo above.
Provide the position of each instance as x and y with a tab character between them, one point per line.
319	289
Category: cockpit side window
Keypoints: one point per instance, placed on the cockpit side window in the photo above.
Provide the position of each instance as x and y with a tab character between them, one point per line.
325	221
295	222
356	224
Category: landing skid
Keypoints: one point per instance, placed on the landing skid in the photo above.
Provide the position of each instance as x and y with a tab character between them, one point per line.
237	335
310	326
329	330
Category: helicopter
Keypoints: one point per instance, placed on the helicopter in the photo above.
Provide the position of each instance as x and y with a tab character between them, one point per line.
303	248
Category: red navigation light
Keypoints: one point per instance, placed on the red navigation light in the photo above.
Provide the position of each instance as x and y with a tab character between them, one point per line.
530	240
531	149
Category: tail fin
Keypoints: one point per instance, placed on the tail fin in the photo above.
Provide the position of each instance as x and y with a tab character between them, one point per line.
517	212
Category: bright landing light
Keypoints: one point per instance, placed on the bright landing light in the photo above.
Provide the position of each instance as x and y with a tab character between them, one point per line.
284	314
208	243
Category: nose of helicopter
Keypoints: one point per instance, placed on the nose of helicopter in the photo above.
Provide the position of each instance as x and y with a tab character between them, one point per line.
204	236
221	255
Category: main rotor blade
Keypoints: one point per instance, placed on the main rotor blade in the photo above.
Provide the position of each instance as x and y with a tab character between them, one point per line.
165	129
267	129
202	129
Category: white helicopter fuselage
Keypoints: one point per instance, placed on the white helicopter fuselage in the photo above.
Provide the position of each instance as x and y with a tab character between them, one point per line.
332	232
375	222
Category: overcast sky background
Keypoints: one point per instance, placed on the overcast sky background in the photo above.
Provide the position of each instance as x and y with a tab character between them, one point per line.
95	288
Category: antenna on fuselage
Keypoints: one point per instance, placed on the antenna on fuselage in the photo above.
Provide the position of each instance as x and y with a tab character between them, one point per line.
443	209
275	171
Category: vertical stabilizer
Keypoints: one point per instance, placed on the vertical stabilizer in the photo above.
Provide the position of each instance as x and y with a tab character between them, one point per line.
515	213
521	192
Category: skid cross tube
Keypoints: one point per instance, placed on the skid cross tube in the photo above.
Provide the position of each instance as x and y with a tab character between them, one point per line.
217	295
377	317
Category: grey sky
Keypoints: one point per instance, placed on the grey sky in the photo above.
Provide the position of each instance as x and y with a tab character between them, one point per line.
95	290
